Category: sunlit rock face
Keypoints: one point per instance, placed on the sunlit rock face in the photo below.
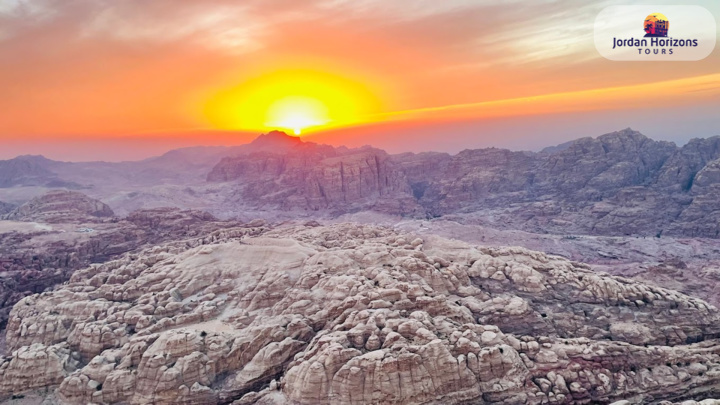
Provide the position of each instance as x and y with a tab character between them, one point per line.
350	314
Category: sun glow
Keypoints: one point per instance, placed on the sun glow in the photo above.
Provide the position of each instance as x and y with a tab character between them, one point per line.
297	101
297	113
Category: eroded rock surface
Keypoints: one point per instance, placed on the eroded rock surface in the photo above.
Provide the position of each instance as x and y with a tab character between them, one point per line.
61	206
310	176
621	183
35	256
350	314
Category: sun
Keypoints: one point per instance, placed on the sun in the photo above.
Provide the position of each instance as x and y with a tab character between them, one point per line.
296	101
297	113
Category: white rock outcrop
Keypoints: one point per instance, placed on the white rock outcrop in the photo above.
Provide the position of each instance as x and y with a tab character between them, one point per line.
350	314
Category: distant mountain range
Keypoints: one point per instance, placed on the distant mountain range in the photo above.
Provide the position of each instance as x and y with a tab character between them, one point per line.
621	183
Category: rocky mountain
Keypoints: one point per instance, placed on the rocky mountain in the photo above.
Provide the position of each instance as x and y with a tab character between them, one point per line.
621	183
30	171
348	314
287	173
273	141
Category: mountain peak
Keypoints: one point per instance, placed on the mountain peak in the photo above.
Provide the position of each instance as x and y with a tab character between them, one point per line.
33	158
276	137
624	133
274	141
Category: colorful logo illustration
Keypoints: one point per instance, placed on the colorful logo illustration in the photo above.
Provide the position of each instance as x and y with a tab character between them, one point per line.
656	25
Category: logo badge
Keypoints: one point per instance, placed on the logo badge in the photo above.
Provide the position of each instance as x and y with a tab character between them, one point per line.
656	25
618	36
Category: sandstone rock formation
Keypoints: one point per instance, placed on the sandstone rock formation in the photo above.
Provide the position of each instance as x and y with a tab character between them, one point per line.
61	206
350	314
621	183
36	257
313	177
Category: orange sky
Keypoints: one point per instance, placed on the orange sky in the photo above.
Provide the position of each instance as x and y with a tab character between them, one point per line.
136	72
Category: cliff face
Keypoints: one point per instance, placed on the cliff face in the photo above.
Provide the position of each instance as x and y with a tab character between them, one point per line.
598	168
354	177
314	177
702	215
679	171
468	180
